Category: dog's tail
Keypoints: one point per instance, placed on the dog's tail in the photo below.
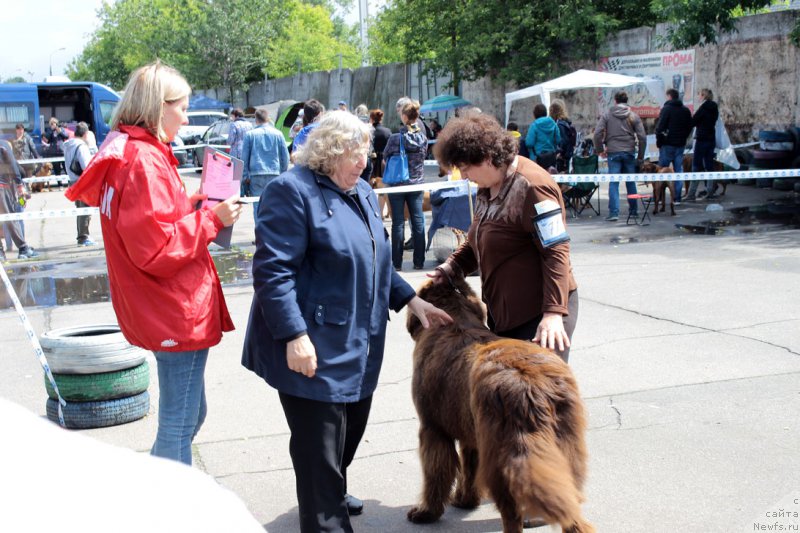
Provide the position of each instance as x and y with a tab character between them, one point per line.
530	425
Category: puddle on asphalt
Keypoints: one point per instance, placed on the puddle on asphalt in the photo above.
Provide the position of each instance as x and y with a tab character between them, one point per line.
86	281
773	216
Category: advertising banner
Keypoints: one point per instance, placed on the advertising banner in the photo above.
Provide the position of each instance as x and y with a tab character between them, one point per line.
674	69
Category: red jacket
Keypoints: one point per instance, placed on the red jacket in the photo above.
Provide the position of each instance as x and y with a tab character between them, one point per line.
164	286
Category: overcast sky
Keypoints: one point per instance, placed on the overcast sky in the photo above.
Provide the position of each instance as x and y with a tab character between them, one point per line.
33	31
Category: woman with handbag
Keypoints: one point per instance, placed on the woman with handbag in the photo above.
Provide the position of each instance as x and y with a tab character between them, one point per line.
405	156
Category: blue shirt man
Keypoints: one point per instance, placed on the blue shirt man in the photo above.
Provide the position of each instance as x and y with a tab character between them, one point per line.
264	154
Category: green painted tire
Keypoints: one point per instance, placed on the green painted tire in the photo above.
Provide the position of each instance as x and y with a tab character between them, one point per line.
99	387
86	415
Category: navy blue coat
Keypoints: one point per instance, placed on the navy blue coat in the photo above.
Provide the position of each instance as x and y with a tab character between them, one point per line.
324	268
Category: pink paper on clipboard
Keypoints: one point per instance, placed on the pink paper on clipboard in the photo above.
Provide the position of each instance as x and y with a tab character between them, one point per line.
221	176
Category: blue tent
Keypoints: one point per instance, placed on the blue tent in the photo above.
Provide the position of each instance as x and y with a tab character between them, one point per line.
201	102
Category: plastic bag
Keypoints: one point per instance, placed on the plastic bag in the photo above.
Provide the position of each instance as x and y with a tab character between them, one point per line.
725	151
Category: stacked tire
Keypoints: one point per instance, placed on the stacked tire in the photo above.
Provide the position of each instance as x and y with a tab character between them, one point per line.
777	150
102	378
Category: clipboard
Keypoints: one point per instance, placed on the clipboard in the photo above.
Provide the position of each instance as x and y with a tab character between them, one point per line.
221	179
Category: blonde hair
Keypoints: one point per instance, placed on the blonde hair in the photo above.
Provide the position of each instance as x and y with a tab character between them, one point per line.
558	109
148	89
339	135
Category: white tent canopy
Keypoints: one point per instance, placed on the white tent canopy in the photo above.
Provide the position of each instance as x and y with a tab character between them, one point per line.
582	79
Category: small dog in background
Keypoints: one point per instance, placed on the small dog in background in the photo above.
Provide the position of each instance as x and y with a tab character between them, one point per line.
660	187
46	169
718	167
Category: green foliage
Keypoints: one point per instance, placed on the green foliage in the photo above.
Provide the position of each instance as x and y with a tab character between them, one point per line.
217	43
700	22
519	40
309	43
15	79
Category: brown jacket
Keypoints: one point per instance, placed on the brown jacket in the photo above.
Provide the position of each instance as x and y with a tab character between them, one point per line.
521	279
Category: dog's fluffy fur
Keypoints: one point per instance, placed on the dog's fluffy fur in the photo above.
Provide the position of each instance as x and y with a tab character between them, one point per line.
46	169
515	410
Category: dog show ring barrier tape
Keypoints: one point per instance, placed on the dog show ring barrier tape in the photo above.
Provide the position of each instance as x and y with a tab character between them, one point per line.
37	348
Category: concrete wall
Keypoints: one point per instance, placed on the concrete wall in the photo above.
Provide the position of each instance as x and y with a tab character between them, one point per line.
754	73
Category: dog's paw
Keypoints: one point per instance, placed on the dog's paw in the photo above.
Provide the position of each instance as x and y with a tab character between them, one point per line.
466	503
421	516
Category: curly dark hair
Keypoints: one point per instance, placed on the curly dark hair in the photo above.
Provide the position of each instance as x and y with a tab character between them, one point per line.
473	140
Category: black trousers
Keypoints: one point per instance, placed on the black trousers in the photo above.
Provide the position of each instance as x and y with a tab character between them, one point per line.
324	440
83	223
527	330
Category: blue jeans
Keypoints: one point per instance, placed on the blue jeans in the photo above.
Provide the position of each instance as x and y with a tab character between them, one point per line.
414	202
181	403
703	161
257	186
621	163
674	155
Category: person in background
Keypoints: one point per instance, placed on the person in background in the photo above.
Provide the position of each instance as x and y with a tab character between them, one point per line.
53	140
167	295
77	155
320	343
312	109
23	146
11	188
239	126
616	136
415	145
672	130
264	154
704	123
380	138
342	105
567	134
543	138
362	112
436	128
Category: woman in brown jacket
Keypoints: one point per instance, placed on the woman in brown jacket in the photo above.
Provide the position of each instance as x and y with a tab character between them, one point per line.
518	238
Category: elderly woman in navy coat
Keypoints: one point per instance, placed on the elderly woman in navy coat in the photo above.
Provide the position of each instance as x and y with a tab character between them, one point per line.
324	284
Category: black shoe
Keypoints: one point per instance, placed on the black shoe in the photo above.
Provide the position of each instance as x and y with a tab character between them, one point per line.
354	505
28	253
398	268
419	267
408	245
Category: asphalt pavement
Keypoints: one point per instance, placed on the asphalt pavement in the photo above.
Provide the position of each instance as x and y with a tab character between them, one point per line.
687	353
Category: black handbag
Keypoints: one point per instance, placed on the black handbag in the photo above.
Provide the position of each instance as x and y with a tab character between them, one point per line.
75	166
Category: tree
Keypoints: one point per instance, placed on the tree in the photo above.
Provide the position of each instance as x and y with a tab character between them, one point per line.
213	43
699	22
15	79
518	40
309	43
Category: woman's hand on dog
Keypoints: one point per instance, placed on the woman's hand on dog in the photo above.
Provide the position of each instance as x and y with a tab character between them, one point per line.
428	313
551	333
302	356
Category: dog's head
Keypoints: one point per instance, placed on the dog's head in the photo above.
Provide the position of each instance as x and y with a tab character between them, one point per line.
456	298
45	170
648	168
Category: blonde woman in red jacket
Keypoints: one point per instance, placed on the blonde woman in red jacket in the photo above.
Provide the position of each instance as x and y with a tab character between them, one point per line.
164	287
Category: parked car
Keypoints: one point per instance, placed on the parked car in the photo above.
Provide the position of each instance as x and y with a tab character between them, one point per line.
199	121
216	134
181	154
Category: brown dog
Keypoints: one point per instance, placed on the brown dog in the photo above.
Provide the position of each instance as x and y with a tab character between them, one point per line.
660	187
718	167
45	169
514	409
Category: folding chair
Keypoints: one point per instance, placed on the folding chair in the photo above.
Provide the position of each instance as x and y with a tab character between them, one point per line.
580	195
